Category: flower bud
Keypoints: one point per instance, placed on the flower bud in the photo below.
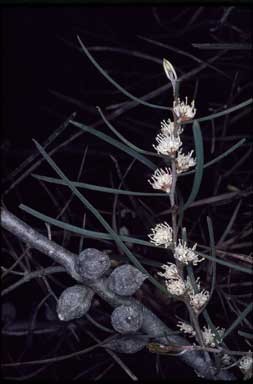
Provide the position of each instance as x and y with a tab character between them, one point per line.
74	302
127	318
125	280
127	344
91	264
170	73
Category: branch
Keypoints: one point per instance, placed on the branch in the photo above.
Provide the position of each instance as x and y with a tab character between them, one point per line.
152	325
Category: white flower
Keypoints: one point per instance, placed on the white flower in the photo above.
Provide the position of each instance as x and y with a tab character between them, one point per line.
183	110
171	272
167	144
161	179
176	287
184	162
174	283
161	235
197	300
186	328
246	363
168	127
186	255
209	337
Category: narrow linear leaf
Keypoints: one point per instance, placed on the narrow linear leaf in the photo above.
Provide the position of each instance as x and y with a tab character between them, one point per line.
213	253
233	46
83	231
222	113
230	224
122	138
239	319
227	264
218	158
95	212
98	188
116	144
247	335
119	87
87	233
198	140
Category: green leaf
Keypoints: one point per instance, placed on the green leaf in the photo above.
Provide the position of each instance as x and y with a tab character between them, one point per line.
213	253
222	113
97	188
239	319
91	234
119	87
218	158
230	224
116	144
227	263
122	138
198	140
247	335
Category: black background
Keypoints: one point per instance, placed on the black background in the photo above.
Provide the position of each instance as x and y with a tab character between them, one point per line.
36	60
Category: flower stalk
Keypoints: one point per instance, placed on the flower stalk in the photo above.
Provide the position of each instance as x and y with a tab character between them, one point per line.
170	144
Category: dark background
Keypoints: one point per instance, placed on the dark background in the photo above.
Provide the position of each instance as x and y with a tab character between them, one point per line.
40	55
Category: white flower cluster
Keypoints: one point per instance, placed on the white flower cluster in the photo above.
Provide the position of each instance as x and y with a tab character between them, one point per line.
186	328
209	337
161	235
161	179
168	144
168	128
197	300
184	162
183	110
186	255
246	364
175	287
174	283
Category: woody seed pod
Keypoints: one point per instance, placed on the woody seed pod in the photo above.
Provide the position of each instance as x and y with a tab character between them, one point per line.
74	302
127	318
127	344
125	280
91	264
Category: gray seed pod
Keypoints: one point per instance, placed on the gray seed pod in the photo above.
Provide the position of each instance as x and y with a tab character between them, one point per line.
127	344
127	318
91	264
74	302
125	280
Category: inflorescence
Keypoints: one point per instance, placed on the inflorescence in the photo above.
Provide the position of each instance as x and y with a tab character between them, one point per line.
169	143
